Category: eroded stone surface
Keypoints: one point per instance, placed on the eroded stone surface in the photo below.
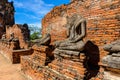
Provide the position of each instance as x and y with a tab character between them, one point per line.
112	60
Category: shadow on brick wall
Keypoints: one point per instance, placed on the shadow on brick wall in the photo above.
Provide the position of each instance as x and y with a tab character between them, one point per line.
92	59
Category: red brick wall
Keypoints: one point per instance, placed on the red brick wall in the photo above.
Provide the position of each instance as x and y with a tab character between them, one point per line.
1	27
20	32
103	20
54	24
6	15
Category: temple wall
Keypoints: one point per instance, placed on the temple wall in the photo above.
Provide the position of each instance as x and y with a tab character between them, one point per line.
102	16
103	27
21	32
6	15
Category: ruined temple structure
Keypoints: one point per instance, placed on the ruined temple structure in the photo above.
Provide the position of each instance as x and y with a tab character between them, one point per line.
15	42
21	32
80	42
14	38
78	31
6	15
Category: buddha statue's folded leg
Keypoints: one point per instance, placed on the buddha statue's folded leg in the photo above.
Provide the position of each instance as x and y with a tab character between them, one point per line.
57	43
107	47
66	52
115	48
112	47
61	43
72	55
73	46
65	44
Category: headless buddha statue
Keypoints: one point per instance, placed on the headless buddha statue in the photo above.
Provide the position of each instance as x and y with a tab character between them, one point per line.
76	32
114	47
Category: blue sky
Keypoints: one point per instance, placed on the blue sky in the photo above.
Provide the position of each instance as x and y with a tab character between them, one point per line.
32	11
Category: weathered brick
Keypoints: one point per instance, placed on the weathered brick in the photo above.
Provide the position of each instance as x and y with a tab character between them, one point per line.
102	18
6	15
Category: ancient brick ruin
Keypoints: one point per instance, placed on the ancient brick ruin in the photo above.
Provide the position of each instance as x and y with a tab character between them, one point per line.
14	37
21	32
95	22
102	18
6	15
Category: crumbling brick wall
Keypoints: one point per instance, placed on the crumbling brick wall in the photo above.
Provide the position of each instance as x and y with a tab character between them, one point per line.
103	20
21	32
6	15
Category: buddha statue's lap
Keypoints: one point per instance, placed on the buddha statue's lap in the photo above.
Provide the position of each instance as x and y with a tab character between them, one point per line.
72	46
113	47
74	42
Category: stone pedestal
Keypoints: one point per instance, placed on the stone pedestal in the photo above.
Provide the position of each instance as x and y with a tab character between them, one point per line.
7	49
16	54
46	64
38	67
112	62
68	68
111	65
35	65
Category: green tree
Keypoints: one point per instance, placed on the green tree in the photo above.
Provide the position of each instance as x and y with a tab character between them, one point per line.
34	36
35	32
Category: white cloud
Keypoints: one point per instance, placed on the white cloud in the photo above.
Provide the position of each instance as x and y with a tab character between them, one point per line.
18	4
37	24
31	9
36	6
